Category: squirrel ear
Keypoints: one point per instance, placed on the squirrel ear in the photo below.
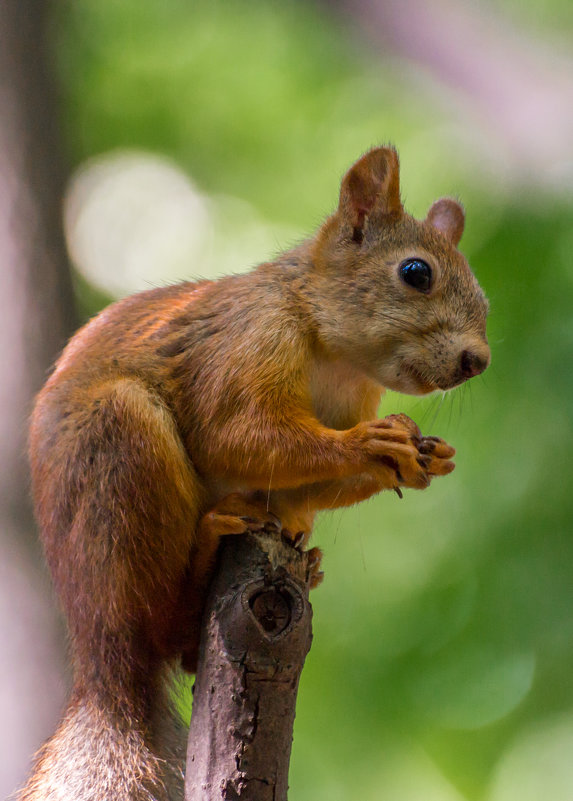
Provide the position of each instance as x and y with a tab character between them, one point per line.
372	184
447	216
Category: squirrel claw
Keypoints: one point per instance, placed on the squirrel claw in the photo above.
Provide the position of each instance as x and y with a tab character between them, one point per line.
294	540
252	523
314	573
313	557
427	446
273	524
298	540
316	579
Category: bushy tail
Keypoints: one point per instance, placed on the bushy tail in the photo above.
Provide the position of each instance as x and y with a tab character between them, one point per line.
98	755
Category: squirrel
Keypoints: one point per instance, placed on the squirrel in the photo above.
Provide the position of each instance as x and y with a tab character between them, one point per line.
181	414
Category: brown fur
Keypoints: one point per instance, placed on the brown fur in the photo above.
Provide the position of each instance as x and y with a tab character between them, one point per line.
171	401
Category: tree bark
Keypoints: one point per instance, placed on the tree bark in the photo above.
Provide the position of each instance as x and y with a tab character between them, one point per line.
256	634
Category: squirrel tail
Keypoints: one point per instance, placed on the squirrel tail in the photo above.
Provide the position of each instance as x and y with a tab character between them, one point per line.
101	754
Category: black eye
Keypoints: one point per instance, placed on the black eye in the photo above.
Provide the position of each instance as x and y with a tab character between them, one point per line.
417	274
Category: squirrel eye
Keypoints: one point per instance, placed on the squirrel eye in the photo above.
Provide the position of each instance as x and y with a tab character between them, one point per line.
417	273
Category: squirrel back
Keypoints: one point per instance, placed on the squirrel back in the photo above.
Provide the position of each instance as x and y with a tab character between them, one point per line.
177	412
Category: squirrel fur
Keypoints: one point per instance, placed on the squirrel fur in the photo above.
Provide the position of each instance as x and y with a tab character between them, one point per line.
179	411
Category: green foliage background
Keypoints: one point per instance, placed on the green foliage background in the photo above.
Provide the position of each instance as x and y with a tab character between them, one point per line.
442	659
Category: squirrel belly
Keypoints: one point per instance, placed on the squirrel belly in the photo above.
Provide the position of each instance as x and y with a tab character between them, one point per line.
175	410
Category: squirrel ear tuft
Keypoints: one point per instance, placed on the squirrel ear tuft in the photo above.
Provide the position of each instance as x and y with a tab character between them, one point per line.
370	185
447	216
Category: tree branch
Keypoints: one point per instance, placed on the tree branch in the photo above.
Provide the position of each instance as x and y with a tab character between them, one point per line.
256	634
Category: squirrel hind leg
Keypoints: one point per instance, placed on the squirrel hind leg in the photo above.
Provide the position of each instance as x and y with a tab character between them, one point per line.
234	514
118	507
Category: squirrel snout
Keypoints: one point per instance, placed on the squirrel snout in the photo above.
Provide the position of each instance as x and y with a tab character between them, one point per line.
473	363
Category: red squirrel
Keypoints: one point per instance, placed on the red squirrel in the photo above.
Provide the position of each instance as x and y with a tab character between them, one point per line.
177	415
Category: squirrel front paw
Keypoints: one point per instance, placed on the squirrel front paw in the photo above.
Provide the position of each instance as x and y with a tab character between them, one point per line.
396	450
434	453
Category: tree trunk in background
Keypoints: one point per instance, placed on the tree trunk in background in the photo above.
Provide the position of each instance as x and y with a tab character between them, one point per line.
36	316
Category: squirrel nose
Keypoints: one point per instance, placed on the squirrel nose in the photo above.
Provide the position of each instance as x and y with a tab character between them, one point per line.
472	363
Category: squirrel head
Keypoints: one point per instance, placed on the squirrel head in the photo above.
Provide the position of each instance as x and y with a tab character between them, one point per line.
397	298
